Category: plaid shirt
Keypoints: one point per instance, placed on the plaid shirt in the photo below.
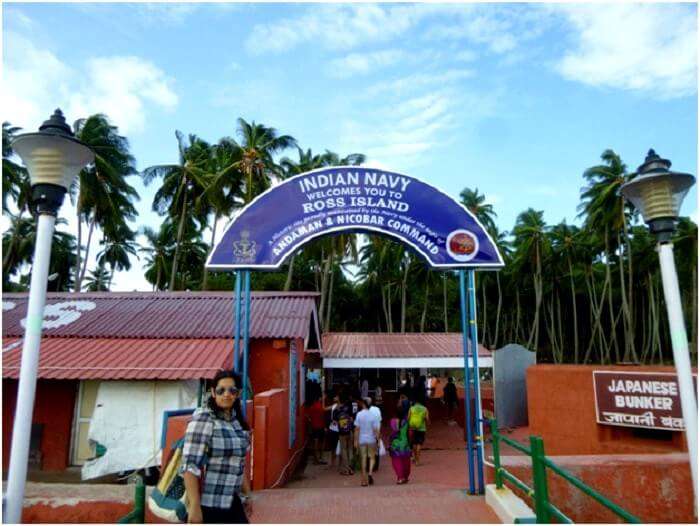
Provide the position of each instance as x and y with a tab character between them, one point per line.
220	446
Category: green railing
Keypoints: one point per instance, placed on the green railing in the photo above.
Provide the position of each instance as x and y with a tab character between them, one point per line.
138	514
545	511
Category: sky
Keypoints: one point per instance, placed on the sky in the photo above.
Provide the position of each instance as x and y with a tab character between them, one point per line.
516	100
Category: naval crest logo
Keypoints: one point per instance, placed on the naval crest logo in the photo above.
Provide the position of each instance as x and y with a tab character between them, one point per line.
462	245
244	249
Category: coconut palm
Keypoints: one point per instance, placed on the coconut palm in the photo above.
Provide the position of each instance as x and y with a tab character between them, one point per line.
531	247
606	211
118	247
103	195
182	188
15	179
476	204
17	244
97	279
157	251
259	144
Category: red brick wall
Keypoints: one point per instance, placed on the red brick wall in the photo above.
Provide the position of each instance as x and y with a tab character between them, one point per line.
54	404
561	409
655	488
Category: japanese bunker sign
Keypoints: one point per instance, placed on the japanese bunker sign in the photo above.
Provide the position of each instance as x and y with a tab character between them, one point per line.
353	198
647	400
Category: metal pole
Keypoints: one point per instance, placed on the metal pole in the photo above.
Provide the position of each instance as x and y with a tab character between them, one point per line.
246	339
22	426
681	357
497	474
473	338
467	397
539	480
237	322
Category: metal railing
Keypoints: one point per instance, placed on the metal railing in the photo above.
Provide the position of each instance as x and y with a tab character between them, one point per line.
138	514
545	511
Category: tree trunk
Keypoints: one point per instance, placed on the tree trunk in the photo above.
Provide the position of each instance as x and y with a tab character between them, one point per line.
537	283
608	279
78	285
178	241
425	302
211	247
386	314
484	332
444	298
80	240
630	352
404	286
498	310
159	274
329	305
573	304
290	270
324	284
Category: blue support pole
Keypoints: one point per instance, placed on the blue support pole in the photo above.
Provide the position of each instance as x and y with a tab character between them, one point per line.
467	383
473	338
237	322
246	340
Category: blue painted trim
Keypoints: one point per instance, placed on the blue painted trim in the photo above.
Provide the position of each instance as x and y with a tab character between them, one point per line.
246	341
474	339
166	415
467	383
237	321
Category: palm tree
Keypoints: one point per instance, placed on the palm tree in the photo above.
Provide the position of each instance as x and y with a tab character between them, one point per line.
225	192
606	211
183	185
259	144
531	247
476	204
118	246
17	244
15	179
103	195
157	252
97	280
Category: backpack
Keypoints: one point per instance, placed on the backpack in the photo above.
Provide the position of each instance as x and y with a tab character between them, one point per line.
168	499
345	423
416	417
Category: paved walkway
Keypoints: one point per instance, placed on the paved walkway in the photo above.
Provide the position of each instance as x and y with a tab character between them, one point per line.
435	494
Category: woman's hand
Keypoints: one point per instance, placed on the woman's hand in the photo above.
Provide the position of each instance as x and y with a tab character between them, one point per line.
194	515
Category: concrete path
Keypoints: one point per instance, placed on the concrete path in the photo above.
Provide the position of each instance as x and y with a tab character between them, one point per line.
435	494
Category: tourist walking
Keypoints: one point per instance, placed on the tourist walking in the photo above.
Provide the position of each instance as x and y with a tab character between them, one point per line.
315	415
402	406
400	449
418	420
377	413
366	440
449	396
216	442
344	417
333	429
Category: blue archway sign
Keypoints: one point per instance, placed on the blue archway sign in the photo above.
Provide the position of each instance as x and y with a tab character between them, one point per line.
351	198
361	199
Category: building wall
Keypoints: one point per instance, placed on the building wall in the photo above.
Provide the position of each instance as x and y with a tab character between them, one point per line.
561	409
654	488
54	406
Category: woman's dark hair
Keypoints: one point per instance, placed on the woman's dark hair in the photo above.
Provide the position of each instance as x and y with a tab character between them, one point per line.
226	373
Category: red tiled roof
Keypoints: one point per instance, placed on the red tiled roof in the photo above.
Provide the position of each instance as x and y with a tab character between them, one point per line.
123	359
394	345
167	314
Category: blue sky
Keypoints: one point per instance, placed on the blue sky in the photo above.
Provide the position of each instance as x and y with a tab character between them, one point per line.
515	99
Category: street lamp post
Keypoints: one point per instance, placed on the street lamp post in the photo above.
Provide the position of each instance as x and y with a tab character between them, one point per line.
658	193
53	158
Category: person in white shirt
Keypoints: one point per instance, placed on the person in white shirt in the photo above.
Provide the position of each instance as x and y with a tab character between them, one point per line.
364	388
377	413
366	439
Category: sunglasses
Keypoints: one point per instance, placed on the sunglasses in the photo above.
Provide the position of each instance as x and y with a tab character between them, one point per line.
221	390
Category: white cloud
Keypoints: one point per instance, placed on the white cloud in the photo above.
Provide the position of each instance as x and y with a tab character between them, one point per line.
36	81
363	63
417	81
466	55
643	47
341	27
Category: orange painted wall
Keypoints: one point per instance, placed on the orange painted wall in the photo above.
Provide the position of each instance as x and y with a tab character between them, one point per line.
655	488
561	409
54	407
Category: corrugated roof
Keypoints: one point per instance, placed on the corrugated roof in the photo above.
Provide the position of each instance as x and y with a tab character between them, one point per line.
163	314
394	345
123	359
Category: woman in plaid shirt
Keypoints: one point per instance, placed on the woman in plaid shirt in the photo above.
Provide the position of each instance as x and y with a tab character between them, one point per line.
216	443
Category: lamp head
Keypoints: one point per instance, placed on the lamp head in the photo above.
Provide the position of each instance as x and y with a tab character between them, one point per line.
53	157
658	193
